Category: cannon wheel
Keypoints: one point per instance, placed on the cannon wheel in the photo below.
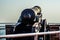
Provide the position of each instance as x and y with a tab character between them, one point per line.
43	29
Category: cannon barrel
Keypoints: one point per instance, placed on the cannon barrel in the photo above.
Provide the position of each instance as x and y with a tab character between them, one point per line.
29	14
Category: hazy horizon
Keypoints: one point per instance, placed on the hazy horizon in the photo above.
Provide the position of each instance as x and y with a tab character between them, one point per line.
10	9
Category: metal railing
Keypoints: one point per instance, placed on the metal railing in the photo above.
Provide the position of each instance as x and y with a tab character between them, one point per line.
29	34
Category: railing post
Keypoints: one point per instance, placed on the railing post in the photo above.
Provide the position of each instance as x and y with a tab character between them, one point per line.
36	37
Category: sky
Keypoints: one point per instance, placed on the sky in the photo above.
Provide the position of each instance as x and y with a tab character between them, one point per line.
10	10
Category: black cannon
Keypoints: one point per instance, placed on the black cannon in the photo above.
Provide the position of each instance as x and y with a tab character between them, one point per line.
26	21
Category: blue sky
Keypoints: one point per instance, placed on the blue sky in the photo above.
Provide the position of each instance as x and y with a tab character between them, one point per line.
10	10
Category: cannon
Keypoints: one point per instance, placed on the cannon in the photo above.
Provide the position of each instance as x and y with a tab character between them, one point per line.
26	22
